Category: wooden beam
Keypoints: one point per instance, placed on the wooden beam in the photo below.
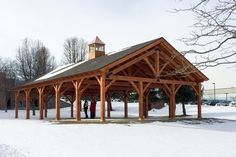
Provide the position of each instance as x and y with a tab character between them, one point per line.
177	82
84	88
131	78
170	48
124	72
140	98
40	92
131	62
171	58
99	81
195	88
157	63
136	53
147	85
172	102
16	103
135	87
177	87
45	106
109	84
77	86
150	66
67	88
57	88
77	83
102	97
166	92
27	97
144	79
142	71
62	80
78	103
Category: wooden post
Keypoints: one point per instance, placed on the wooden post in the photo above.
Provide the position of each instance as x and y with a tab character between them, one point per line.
102	97
172	102
16	103
125	104
27	99
40	91
45	106
77	102
140	97
57	88
78	93
199	102
108	105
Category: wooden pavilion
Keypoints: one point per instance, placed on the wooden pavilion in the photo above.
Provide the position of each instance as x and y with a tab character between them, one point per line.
139	68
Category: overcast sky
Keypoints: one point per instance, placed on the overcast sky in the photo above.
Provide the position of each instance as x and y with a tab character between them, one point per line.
119	23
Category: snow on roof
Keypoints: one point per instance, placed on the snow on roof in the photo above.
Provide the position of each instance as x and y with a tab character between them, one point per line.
113	52
59	70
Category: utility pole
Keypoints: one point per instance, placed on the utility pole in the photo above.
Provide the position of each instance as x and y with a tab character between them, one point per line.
226	94
214	91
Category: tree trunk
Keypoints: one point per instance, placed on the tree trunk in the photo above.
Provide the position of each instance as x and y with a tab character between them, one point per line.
33	105
33	108
184	109
111	106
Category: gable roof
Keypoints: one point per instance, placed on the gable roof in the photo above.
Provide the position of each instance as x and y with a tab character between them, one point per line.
97	40
95	64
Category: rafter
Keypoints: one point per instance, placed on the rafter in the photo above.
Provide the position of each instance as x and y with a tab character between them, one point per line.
177	87
132	61
150	66
164	81
142	70
171	58
98	80
147	85
135	86
157	63
109	84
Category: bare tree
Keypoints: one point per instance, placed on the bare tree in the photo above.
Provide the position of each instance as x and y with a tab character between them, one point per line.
43	62
8	67
33	59
213	39
74	50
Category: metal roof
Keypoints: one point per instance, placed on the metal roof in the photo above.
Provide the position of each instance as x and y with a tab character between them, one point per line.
97	40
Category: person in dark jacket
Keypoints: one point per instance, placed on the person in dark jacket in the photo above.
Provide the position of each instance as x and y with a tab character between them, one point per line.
86	108
92	108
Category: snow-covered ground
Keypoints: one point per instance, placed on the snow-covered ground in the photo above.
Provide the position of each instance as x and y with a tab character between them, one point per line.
214	137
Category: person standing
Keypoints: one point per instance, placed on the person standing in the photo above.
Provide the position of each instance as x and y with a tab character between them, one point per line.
92	109
86	108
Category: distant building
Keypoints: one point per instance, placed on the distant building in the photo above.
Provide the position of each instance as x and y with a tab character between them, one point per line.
220	94
7	98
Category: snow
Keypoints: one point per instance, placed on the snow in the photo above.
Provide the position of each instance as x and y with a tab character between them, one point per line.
119	50
214	137
60	70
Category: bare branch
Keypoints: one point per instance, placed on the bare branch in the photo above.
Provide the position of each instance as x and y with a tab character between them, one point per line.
214	32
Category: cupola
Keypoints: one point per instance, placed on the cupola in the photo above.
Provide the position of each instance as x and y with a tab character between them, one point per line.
96	48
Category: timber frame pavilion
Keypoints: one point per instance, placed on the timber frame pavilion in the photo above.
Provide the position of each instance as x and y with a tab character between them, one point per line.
139	68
